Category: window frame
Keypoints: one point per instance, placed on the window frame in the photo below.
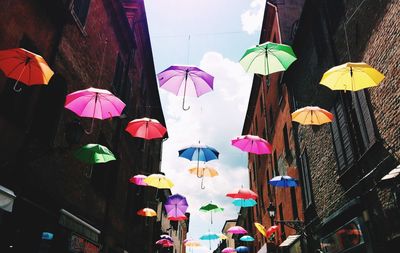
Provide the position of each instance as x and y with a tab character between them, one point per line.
76	17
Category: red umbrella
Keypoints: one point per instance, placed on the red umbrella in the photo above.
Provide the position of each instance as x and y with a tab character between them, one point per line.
242	193
178	218
271	230
146	128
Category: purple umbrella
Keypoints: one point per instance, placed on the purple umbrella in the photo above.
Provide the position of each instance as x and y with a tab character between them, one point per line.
176	205
196	81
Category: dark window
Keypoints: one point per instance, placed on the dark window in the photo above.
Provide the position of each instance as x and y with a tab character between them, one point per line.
288	152
306	178
256	126
294	203
271	122
276	169
80	9
117	80
268	186
282	219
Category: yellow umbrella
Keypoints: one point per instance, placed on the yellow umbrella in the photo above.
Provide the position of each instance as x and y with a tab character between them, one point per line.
261	229
159	181
193	244
312	115
203	171
352	76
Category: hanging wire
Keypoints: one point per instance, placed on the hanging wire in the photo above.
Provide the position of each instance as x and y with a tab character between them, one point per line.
188	50
102	61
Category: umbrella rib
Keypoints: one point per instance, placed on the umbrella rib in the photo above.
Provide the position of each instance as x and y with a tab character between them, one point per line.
16	66
254	58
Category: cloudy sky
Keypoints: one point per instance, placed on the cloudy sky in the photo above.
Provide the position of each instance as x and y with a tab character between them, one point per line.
211	34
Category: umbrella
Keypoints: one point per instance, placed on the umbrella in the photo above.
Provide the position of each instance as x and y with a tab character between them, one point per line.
94	103
271	230
25	67
209	237
252	144
261	229
159	181
267	58
312	115
167	244
177	218
244	202
237	230
146	128
94	153
228	250
147	212
247	238
168	237
211	208
241	249
163	241
204	171
222	236
196	81
138	180
176	206
242	193
283	181
192	243
352	76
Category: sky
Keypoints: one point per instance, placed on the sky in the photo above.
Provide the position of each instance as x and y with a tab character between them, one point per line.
213	35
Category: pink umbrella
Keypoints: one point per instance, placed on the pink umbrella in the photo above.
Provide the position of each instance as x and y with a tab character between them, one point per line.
228	250
167	244
94	103
237	230
163	241
146	128
242	193
138	180
252	144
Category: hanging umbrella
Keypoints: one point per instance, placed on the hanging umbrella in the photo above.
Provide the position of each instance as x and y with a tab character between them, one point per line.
271	230
196	81
244	202
138	180
147	212
312	115
252	144
168	237
167	244
352	76
146	128
261	229
242	249
177	218
176	206
283	181
94	103
246	238
211	208
222	236
163	241
159	181
228	250
242	193
94	153
25	67
203	171
209	237
237	230
267	58
192	243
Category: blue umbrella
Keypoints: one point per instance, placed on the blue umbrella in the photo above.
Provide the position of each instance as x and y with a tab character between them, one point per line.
244	202
241	249
247	238
283	181
199	152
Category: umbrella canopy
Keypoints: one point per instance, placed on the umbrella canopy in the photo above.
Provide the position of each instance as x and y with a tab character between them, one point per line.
159	181
271	230
209	236
147	212
312	115
168	237
237	230
195	81
203	171
242	193
146	128
167	244
176	205
242	249
94	153
138	180
252	144
283	181
352	76
211	208
267	58
261	229
247	238
25	67
244	202
163	241
177	218
192	243
228	250
199	152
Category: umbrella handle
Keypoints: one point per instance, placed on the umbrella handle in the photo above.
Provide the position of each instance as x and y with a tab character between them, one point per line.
183	104
16	82
91	128
184	93
202	184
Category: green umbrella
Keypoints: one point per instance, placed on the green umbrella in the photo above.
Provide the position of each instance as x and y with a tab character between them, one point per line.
94	153
267	58
211	208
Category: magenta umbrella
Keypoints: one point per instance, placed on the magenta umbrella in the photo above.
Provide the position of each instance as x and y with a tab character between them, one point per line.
237	230
228	250
196	81
94	103
252	144
138	180
176	206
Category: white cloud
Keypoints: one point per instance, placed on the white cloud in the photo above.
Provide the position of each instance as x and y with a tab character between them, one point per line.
214	119
253	17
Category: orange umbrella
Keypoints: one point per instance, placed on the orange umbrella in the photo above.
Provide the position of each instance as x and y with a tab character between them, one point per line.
261	229
203	171
24	66
312	115
147	212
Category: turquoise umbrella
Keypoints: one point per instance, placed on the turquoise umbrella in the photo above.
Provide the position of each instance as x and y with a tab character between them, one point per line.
209	236
244	202
247	238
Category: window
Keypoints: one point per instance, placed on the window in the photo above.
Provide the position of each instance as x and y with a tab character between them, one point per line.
271	121
306	178
282	224
288	152
79	10
276	167
117	80
294	203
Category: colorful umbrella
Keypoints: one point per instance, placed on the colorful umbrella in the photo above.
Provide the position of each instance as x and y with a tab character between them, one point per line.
352	76
209	237
312	115
177	218
163	241
228	250
25	67
252	144
138	180
271	230
261	229
211	208
94	153
267	58
237	230
222	236
242	193
147	212
176	206
203	171
168	237
244	202
196	81
94	103
159	181
167	244
246	238
199	152
283	181
192	243
242	249
146	128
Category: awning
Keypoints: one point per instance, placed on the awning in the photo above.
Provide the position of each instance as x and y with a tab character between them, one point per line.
289	240
392	174
263	249
6	199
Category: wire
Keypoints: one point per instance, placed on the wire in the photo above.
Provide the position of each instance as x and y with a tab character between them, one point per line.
197	34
